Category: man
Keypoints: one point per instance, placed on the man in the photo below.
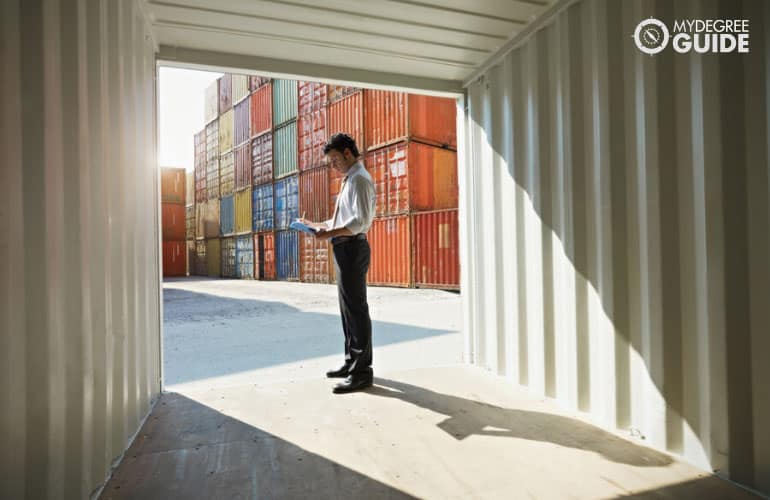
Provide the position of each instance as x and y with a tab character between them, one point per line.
347	229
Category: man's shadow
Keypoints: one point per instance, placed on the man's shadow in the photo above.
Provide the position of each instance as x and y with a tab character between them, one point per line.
467	417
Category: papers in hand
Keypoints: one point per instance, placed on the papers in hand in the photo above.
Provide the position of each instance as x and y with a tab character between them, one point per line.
299	226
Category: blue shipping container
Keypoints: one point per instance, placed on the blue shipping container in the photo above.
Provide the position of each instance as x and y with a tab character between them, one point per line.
244	257
228	257
262	208
287	255
226	215
286	201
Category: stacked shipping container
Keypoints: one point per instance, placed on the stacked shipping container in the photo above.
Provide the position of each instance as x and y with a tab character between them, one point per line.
266	145
173	182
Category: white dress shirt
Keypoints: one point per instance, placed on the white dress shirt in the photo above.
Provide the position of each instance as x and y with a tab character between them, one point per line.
355	203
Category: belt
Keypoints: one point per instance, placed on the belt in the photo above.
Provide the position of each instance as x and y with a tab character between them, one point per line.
343	239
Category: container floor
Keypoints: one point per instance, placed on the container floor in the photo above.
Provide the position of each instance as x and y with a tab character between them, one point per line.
266	425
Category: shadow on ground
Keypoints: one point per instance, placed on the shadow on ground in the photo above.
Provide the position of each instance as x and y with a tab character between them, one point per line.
189	450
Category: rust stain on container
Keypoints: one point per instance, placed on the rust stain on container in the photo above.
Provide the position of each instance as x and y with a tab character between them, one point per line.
397	116
314	259
243	166
207	219
172	185
314	194
347	115
337	92
391	244
411	176
436	249
261	107
256	81
173	221
198	267
311	138
264	256
174	258
212	141
262	159
312	96
212	179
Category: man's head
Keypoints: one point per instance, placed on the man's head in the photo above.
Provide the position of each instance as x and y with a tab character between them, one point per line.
341	151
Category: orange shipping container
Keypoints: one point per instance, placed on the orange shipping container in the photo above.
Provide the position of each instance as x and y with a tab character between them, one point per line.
347	115
262	110
436	250
172	185
410	176
174	258
397	116
311	138
173	221
390	240
264	256
311	97
314	259
314	193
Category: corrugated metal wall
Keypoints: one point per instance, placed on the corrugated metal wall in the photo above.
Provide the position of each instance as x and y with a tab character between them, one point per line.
615	226
79	242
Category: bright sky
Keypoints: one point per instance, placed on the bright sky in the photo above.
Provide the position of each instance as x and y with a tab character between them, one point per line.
181	113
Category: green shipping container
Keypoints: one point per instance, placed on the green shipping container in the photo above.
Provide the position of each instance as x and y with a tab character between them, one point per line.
285	150
284	101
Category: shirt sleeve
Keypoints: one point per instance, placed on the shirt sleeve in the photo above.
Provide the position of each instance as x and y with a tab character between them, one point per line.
359	198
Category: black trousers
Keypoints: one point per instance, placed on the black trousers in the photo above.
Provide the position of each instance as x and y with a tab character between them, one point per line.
351	262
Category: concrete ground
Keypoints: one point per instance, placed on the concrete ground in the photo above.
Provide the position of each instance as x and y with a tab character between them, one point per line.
248	413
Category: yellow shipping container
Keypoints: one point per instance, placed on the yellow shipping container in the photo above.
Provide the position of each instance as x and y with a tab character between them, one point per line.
243	211
213	257
226	132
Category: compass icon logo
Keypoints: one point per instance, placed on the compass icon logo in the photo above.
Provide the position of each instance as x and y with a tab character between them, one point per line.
651	36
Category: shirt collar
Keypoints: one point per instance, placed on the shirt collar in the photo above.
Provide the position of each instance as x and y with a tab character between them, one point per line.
353	169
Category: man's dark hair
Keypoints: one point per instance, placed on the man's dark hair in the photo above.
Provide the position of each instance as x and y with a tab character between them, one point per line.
340	142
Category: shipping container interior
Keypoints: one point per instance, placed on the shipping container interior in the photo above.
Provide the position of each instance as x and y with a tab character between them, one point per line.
597	218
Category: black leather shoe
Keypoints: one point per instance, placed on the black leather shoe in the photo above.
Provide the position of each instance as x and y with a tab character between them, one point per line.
340	372
353	383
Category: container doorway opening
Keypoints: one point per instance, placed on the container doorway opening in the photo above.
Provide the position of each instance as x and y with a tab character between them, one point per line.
247	300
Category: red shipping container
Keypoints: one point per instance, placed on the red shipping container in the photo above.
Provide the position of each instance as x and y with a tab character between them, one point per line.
337	92
256	81
172	185
311	139
174	258
173	221
314	194
410	176
314	259
262	110
335	184
264	256
242	167
347	115
262	159
436	250
225	93
390	240
397	116
311	96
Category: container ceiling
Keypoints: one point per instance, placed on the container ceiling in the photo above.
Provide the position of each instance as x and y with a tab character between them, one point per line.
430	44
